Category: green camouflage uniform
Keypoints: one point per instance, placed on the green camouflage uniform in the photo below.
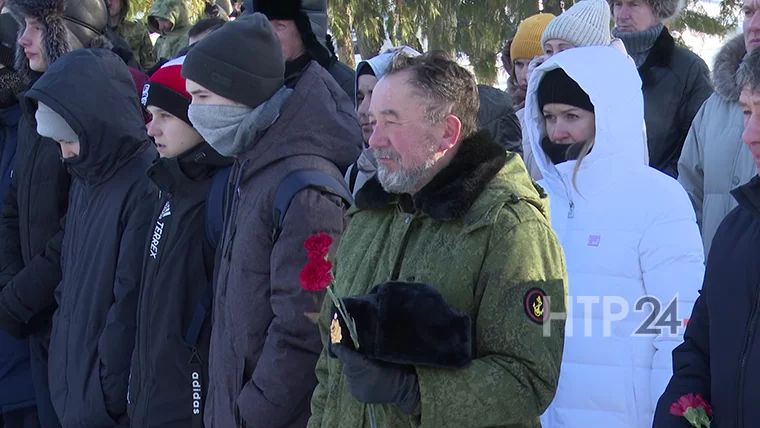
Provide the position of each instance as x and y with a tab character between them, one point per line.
488	261
169	43
138	37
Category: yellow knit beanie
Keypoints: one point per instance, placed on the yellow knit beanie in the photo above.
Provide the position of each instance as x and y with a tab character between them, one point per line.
527	41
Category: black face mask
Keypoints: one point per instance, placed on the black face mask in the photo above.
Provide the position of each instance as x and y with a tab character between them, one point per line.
559	153
10	86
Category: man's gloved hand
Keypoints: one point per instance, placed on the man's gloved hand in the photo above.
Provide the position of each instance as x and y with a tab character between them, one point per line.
378	382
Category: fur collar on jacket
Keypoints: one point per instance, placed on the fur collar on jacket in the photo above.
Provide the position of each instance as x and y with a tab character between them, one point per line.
63	32
726	64
453	190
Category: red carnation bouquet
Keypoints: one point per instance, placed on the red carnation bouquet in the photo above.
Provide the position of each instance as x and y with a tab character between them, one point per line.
695	409
317	276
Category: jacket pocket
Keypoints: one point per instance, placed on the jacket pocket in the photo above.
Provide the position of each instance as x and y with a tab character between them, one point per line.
95	414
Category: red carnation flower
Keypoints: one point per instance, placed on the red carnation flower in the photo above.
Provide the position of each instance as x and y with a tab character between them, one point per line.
695	409
316	275
318	245
701	402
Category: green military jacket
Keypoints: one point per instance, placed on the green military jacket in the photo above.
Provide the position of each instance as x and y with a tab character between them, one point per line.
137	36
169	43
480	234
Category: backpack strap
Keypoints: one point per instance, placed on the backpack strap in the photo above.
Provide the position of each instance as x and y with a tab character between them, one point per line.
214	225
215	206
297	181
352	177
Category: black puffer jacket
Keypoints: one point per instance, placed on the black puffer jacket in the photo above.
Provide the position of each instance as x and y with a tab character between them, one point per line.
36	202
497	116
675	82
178	268
109	215
719	358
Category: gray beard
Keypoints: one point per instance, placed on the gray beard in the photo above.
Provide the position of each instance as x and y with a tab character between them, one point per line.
404	180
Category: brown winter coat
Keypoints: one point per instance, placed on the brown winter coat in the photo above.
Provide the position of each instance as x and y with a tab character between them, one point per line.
263	348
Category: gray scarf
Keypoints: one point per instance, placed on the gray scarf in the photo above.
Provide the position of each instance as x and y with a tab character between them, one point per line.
232	130
639	44
367	162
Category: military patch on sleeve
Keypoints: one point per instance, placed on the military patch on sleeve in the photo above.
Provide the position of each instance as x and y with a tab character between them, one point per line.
535	305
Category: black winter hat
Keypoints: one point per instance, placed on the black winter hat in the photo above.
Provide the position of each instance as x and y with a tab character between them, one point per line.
69	25
406	323
250	71
309	16
557	87
8	40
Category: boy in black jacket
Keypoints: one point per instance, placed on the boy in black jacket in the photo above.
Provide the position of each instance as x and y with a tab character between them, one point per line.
103	143
169	372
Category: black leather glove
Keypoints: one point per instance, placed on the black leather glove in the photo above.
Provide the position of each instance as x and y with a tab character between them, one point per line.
378	382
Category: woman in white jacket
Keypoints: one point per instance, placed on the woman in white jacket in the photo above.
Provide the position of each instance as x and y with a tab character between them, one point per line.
629	234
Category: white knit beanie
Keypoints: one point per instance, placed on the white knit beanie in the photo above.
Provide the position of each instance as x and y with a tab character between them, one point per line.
586	23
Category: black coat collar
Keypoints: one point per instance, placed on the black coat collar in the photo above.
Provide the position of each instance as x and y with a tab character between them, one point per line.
662	51
748	195
197	164
453	190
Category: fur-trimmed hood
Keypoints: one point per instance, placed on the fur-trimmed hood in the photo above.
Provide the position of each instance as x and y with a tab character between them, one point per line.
726	64
68	24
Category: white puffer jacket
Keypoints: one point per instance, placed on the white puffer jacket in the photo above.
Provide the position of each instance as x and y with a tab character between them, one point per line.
628	231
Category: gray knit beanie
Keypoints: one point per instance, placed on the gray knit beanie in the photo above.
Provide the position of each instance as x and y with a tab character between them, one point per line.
586	23
51	125
242	61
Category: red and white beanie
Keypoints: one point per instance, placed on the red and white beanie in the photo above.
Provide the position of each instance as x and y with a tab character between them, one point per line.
166	90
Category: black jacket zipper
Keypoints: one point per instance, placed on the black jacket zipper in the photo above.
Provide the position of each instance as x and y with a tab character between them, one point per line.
151	294
408	218
743	359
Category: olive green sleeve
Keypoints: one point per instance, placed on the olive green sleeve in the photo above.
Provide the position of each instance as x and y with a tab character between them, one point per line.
319	398
516	375
145	52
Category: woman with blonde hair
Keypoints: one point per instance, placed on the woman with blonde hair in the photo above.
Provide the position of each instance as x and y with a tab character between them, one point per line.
629	233
586	23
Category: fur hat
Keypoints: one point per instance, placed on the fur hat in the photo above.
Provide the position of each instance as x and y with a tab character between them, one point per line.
8	37
406	323
69	25
664	10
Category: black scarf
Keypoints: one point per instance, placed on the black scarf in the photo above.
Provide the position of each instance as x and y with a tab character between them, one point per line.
559	153
11	85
